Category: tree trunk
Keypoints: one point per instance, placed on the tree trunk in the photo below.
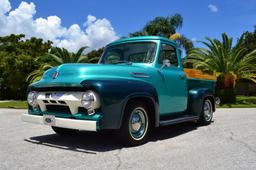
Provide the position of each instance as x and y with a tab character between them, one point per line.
225	89
227	95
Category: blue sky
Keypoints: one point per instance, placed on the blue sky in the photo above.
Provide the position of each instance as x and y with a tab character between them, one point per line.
201	17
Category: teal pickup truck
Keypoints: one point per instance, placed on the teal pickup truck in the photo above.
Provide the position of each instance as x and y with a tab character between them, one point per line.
138	84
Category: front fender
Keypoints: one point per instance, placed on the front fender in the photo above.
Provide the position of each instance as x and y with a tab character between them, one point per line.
114	95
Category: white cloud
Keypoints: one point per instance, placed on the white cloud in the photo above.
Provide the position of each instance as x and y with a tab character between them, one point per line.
49	28
19	20
5	6
213	8
95	33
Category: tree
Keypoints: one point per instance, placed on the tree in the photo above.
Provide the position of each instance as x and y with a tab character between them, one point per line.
249	40
165	26
61	56
227	62
17	59
38	73
94	55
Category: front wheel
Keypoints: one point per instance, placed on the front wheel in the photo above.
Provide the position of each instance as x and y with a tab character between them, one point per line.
207	112
135	127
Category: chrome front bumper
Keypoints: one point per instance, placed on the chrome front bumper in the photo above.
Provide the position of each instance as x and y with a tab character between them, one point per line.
87	125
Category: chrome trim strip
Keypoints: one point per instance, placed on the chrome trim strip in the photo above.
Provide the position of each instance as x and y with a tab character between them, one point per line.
140	75
178	120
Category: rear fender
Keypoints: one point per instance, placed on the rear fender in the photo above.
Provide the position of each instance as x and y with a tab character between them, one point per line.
196	98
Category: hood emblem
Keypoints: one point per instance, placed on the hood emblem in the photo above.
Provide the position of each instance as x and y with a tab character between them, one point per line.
55	74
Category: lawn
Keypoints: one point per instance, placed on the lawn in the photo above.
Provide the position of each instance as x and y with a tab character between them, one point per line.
238	106
14	104
242	102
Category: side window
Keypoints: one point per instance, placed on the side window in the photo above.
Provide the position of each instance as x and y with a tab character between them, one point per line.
168	52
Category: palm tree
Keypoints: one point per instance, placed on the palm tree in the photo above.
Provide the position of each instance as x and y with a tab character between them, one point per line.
94	55
61	56
165	26
227	62
57	56
37	74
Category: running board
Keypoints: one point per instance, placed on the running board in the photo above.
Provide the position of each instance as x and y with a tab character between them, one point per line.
178	120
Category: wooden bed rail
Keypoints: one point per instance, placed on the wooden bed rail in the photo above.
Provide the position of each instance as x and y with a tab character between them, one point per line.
198	74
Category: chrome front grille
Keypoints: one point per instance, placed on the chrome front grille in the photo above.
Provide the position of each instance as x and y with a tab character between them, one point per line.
61	101
54	102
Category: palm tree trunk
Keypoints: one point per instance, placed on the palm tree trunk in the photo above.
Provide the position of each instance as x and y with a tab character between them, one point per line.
225	89
227	96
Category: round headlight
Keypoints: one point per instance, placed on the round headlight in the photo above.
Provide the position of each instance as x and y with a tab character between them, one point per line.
32	98
90	100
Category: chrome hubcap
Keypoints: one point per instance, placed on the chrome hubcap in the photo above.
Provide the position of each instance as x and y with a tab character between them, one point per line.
138	123
208	110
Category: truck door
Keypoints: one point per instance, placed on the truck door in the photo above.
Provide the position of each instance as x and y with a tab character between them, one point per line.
174	80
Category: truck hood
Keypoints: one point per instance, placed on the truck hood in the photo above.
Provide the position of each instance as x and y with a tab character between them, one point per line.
74	74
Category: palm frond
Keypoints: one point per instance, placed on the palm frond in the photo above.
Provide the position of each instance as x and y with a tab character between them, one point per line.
36	75
222	58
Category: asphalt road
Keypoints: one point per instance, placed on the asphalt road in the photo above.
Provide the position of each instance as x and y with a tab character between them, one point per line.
228	143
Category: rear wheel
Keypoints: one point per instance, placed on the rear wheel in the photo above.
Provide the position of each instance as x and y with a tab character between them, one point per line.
207	112
64	131
135	127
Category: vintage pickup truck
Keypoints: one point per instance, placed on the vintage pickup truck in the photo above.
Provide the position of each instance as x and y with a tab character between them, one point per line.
138	84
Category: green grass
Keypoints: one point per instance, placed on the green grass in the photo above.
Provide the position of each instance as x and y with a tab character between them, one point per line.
242	102
238	106
251	99
14	104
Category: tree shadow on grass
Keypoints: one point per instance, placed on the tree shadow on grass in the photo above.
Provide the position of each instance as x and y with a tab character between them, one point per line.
92	142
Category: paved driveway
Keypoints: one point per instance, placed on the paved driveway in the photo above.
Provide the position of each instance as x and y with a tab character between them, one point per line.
228	143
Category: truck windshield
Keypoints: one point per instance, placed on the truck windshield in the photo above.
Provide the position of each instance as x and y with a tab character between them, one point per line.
143	52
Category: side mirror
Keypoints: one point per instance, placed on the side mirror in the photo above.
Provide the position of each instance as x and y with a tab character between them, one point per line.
166	63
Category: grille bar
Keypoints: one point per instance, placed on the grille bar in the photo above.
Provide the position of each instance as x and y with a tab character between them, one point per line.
58	109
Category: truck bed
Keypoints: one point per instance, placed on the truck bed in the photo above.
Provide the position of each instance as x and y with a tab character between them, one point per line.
196	78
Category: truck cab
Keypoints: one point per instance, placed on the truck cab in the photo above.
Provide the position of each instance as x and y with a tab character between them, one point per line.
138	84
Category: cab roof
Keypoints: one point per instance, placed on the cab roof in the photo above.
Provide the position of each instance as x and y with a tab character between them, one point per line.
139	38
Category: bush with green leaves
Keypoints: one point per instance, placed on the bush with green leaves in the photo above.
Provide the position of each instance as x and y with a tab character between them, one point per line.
18	59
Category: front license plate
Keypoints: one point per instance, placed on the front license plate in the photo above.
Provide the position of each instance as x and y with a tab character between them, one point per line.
49	120
55	96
